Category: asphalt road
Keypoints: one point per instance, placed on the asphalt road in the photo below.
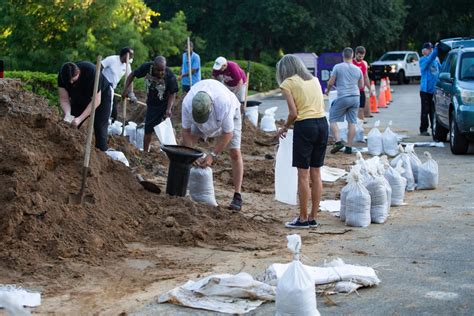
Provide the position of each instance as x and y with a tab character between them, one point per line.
424	253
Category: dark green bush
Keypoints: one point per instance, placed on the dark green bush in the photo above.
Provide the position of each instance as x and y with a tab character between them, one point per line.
262	77
40	83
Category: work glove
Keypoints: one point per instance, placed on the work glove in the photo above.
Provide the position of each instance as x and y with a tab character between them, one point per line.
132	97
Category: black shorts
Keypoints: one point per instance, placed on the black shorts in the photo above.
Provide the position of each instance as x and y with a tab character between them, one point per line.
362	100
310	139
154	116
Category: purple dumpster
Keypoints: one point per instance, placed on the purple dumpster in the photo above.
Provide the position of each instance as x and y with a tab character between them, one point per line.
326	62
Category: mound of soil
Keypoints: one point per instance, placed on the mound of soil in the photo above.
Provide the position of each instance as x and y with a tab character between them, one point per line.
40	167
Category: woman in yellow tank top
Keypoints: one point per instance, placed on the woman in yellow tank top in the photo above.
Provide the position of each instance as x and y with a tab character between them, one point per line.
305	100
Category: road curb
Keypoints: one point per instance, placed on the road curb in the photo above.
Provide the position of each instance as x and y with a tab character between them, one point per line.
263	94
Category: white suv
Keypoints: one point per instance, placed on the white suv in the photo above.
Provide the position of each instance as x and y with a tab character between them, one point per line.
397	65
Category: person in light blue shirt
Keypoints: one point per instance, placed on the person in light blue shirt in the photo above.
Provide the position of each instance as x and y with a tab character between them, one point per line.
195	69
429	67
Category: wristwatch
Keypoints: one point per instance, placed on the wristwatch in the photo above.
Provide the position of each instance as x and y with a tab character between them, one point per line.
213	155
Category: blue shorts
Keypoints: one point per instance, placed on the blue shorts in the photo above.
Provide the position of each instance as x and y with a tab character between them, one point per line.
347	107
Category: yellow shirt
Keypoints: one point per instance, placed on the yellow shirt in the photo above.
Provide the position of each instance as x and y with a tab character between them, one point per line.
308	97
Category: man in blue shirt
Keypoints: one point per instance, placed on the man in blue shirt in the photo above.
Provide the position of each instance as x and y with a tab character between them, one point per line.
429	66
195	68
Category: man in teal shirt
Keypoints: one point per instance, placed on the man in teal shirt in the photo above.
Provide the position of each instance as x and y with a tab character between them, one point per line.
195	69
429	66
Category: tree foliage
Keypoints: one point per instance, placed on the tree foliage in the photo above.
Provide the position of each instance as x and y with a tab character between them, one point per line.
42	34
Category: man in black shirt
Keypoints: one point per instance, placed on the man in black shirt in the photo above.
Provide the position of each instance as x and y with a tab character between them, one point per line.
162	86
75	88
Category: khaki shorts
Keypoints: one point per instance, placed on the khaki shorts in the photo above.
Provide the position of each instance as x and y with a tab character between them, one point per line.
236	137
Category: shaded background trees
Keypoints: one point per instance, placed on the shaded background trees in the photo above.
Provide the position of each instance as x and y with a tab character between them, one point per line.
41	34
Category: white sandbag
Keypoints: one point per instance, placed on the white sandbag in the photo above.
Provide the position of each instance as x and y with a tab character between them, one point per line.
115	128
375	140
295	293
390	141
252	114
388	188
397	183
357	204
363	169
131	132
13	298
378	200
267	124
415	162
165	132
117	155
344	130
201	185
286	176
406	165
428	174
140	133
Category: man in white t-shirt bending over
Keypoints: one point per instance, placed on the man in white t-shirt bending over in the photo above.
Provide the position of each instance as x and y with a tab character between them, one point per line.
211	110
113	68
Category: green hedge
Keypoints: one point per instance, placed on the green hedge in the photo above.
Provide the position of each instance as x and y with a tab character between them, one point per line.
40	83
262	77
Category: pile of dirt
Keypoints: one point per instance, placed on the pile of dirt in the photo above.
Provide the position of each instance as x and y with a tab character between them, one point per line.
40	167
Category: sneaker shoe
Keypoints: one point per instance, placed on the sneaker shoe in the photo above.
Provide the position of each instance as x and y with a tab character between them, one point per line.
312	223
236	204
425	133
348	150
337	146
297	224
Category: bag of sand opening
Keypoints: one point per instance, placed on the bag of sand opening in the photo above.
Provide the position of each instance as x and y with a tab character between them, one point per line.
201	185
428	174
406	165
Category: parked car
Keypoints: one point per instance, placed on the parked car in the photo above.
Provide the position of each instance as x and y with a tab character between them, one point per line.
454	96
397	65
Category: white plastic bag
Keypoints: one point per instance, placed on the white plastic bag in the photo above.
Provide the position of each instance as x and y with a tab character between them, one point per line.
344	129
201	185
115	128
378	200
428	174
415	162
357	204
296	293
390	141
267	123
252	114
140	133
117	155
407	170
397	183
286	176
165	132
375	140
131	132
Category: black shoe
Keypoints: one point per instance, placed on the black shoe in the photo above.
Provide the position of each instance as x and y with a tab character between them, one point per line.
337	146
236	204
425	133
297	224
348	150
312	223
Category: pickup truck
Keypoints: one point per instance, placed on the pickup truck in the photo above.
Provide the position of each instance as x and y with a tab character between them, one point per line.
397	65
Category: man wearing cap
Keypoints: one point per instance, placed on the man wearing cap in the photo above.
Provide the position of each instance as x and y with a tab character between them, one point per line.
211	110
230	74
161	86
429	66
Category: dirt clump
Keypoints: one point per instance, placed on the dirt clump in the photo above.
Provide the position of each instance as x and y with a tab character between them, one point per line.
40	167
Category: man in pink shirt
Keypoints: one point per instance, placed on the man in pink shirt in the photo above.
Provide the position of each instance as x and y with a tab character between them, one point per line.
360	62
230	74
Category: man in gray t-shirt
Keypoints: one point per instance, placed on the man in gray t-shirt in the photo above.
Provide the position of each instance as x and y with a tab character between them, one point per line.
349	80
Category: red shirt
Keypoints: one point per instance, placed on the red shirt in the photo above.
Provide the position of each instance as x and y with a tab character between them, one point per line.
231	75
363	67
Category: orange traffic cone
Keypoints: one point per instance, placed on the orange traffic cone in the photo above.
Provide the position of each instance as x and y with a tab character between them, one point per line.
382	99
373	99
387	92
389	89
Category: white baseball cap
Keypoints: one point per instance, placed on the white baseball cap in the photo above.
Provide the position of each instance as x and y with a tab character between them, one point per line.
220	61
